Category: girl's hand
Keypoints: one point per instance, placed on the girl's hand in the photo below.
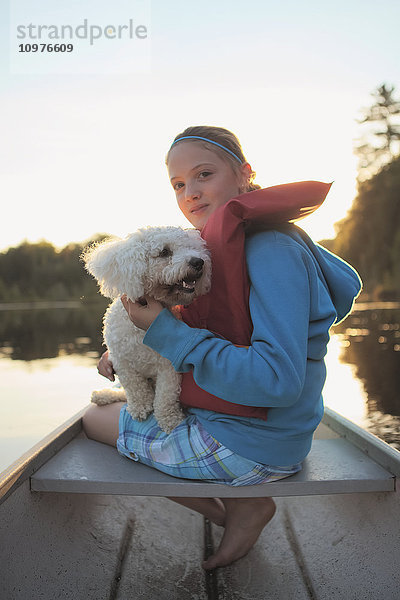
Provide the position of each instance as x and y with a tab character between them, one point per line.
105	367
142	313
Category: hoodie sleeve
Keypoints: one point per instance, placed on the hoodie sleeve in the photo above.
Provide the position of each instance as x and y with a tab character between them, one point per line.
271	372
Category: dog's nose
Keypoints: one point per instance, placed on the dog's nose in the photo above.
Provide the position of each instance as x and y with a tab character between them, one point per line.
196	263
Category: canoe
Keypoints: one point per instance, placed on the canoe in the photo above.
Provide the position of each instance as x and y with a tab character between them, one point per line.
79	521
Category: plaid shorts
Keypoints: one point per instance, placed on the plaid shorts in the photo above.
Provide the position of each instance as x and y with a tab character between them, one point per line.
189	451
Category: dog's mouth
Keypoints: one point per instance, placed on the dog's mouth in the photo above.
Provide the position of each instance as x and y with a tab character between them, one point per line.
185	286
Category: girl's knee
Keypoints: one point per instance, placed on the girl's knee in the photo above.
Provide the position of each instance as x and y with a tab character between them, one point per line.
88	420
101	423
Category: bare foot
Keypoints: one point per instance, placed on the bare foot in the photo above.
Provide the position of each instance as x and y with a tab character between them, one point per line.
212	508
245	520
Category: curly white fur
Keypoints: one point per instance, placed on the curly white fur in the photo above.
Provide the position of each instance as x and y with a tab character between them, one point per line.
173	266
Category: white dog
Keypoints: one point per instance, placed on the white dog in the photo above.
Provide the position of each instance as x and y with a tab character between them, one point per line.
169	264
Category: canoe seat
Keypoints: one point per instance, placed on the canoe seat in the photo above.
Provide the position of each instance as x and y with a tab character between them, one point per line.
334	466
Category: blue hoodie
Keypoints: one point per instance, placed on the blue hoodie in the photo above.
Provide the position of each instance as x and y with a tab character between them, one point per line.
298	290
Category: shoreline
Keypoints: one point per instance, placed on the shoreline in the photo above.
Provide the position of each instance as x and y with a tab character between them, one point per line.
47	304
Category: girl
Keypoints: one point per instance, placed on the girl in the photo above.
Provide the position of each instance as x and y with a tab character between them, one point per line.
253	362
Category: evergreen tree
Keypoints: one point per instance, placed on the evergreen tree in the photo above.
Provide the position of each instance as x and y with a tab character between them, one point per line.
380	144
369	236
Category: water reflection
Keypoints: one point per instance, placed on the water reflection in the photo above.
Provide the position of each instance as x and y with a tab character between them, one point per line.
34	334
48	360
371	342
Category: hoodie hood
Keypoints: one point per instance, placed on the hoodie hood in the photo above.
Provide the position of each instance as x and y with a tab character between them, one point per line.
341	279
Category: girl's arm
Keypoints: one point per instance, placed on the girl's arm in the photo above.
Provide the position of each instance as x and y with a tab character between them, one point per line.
271	372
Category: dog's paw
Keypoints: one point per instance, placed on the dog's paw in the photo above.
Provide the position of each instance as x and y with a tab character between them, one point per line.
138	414
169	423
107	396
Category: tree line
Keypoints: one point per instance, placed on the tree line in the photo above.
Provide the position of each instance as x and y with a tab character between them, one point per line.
369	236
38	271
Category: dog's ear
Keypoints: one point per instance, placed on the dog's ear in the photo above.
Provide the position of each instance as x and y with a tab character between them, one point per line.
118	265
100	261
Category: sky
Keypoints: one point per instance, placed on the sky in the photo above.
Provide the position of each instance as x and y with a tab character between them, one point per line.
84	137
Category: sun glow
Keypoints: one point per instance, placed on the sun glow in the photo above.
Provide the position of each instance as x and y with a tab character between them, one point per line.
343	391
86	154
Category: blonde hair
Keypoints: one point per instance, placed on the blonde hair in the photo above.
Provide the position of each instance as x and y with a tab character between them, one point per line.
225	138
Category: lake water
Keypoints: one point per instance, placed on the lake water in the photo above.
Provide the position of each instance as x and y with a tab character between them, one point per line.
48	359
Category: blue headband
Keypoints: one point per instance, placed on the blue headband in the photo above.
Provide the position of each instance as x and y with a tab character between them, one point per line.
197	137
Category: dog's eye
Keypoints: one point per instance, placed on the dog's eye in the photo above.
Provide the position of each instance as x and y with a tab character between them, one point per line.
165	252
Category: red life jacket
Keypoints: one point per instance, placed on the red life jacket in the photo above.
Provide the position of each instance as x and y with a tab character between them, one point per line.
225	309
